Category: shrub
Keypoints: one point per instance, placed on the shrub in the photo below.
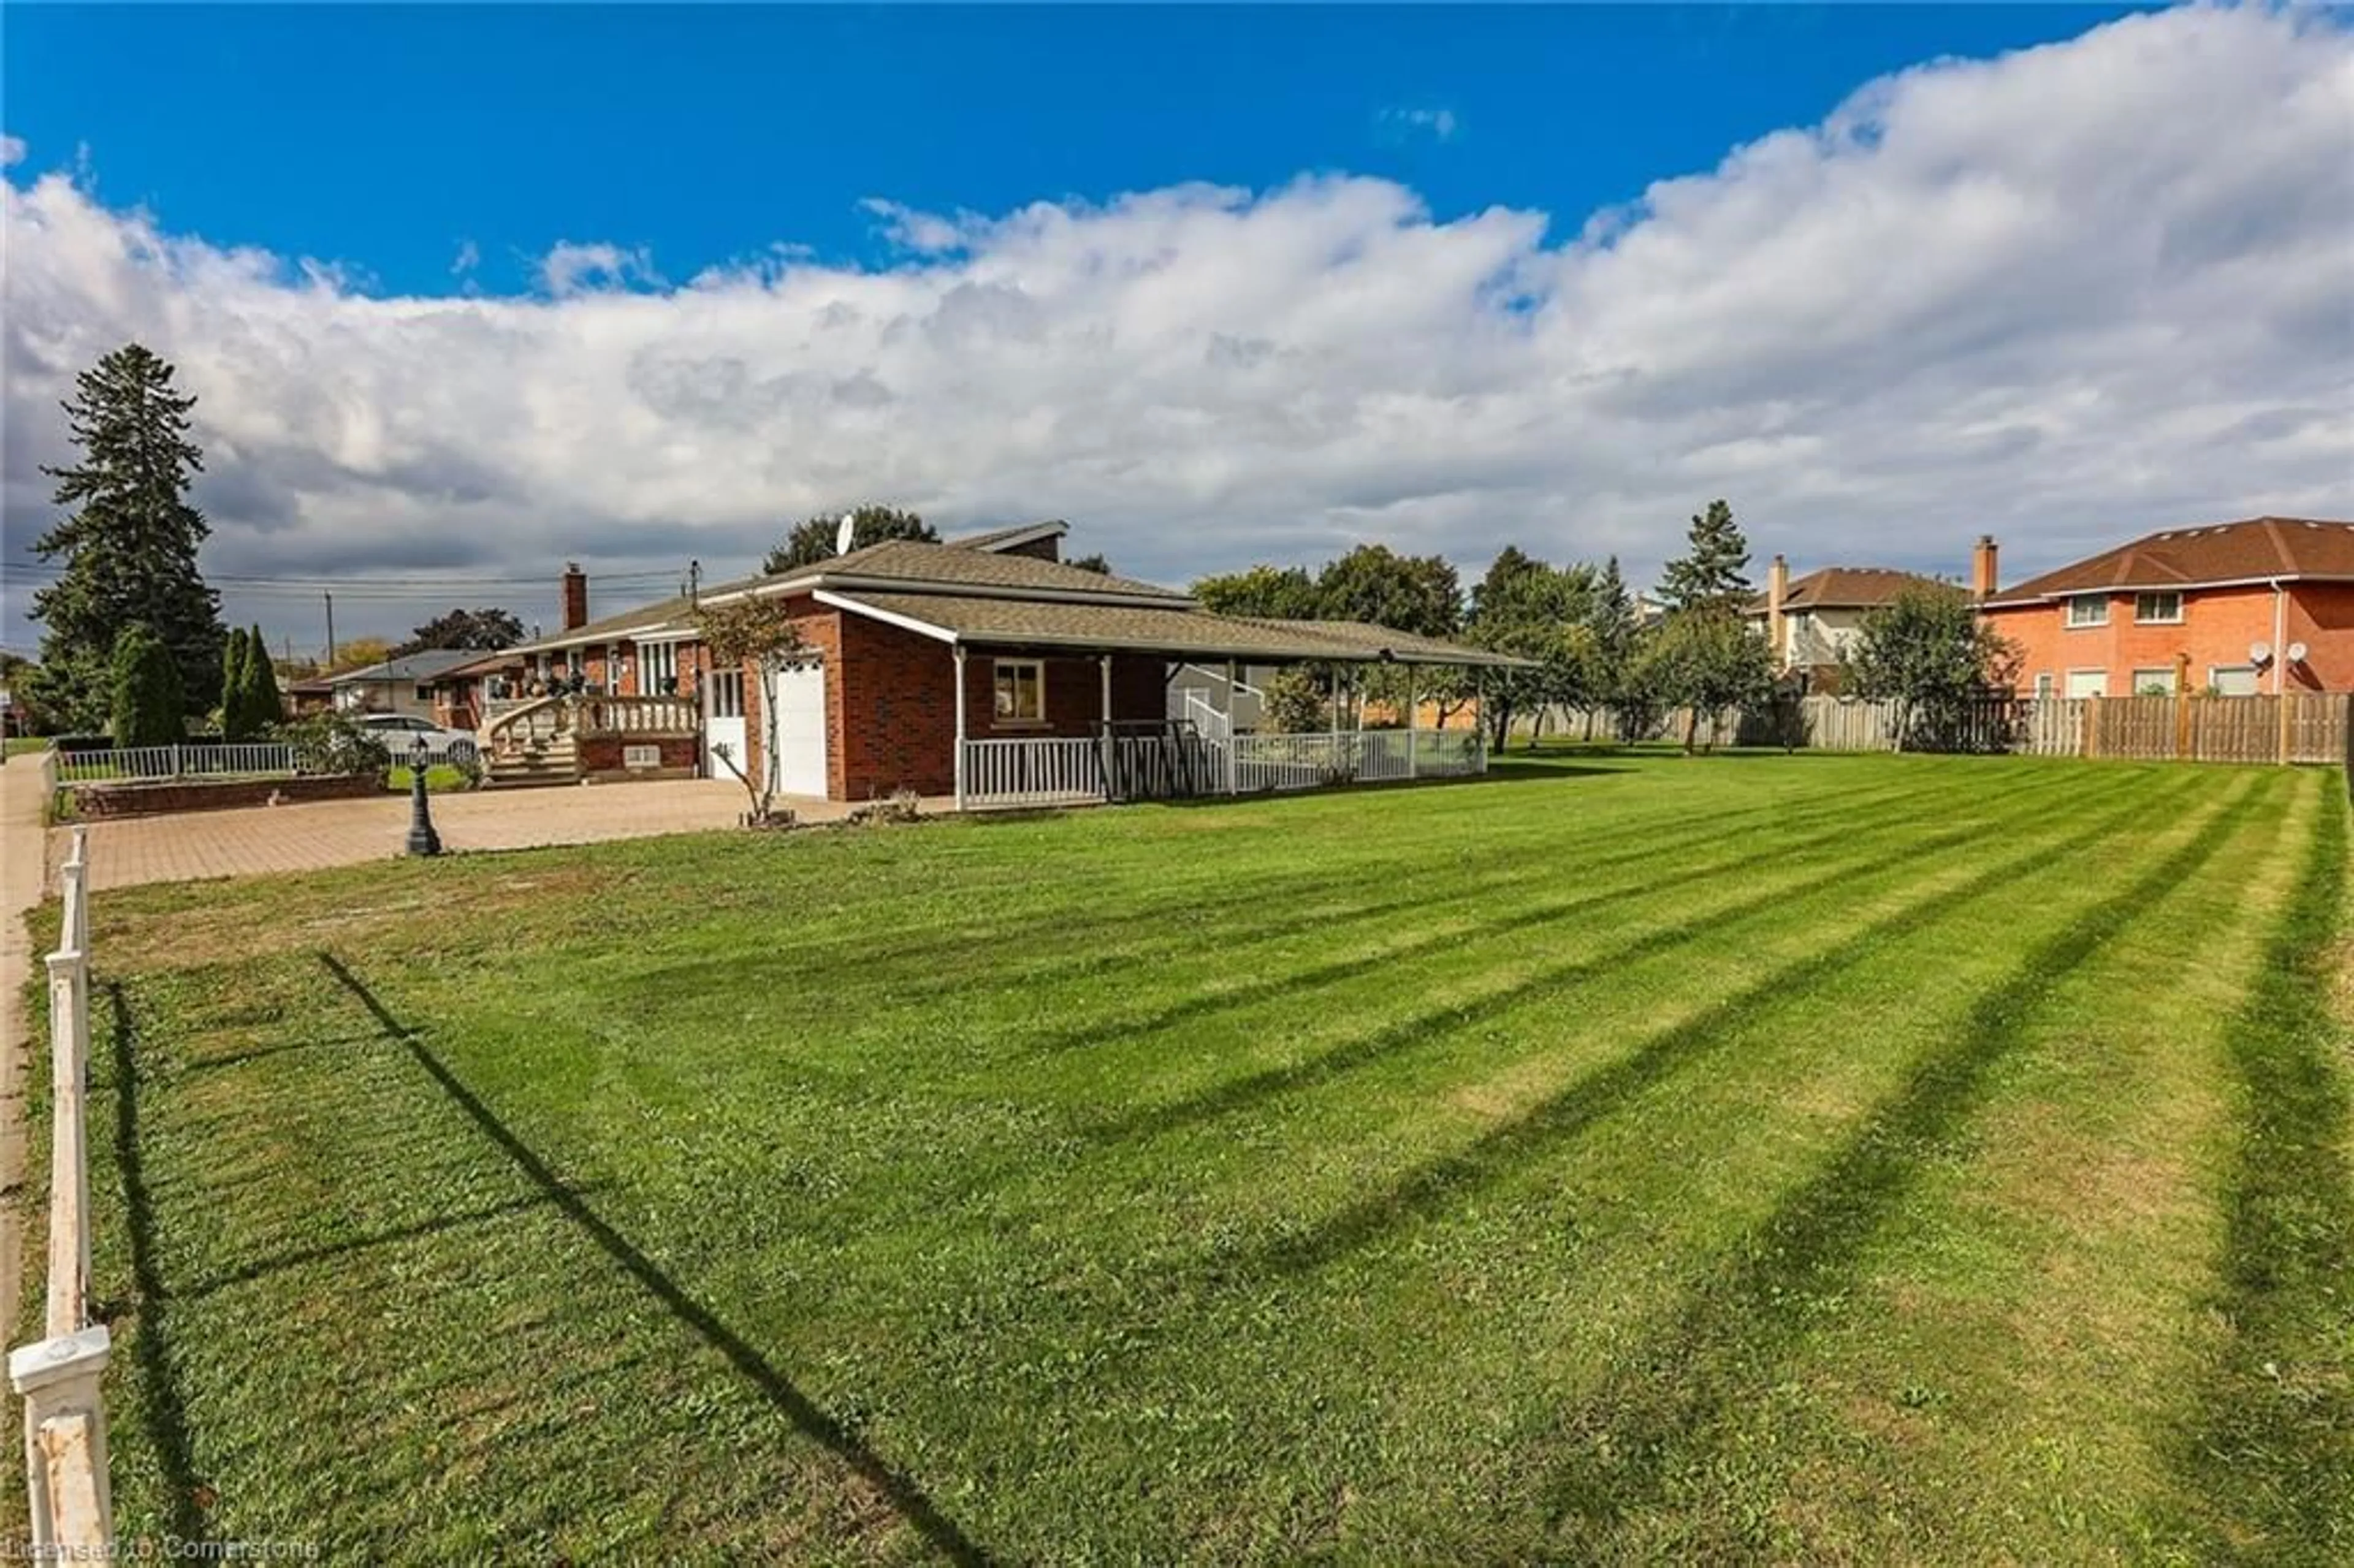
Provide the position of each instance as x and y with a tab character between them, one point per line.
330	743
149	705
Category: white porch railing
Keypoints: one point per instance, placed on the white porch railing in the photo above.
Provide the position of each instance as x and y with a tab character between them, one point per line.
543	719
71	1507
1056	771
1049	770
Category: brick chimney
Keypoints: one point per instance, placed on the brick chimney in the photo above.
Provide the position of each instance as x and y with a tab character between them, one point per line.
575	596
1777	591
1983	580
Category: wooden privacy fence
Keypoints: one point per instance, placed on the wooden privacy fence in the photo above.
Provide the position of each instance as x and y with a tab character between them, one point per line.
71	1506
2304	727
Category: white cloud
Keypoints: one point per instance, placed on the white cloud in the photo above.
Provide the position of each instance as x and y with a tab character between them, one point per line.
469	258
570	268
12	151
2064	296
1437	123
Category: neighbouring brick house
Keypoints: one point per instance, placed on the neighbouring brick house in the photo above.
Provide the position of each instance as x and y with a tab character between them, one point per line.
2260	606
914	649
1810	622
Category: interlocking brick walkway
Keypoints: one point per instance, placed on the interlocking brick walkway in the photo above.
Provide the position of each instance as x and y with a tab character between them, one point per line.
264	839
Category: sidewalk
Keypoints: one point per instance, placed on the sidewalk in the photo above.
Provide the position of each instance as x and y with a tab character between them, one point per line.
23	860
262	840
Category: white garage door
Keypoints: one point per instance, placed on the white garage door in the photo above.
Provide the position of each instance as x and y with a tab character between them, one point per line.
797	703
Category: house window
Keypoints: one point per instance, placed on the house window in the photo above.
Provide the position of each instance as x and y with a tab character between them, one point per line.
425	694
2233	680
2153	683
2043	684
2159	608
1021	691
572	660
2088	682
726	694
2088	609
657	667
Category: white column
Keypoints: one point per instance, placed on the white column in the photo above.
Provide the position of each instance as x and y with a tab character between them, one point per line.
1412	759
1104	748
959	649
1233	682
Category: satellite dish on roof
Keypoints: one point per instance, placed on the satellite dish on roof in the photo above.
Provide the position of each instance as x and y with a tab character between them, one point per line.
841	535
2297	652
2260	653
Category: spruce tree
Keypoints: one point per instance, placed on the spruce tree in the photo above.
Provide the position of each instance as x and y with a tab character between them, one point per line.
264	704
233	723
1713	571
149	707
129	542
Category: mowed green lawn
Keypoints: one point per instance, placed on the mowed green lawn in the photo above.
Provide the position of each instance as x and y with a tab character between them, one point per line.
1821	1158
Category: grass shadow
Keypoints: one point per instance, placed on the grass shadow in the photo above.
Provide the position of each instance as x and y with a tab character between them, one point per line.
1808	1250
905	1497
163	1403
2273	1452
1239	1094
1599	1093
1207	1003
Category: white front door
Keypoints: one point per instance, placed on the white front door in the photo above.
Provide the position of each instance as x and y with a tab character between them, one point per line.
797	728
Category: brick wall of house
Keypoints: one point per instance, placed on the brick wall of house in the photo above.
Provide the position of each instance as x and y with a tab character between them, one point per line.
2321	615
2217	626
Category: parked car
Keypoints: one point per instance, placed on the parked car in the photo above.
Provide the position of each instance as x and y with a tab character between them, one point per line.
401	732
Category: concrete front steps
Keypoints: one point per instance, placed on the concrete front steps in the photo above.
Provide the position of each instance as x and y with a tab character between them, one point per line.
556	761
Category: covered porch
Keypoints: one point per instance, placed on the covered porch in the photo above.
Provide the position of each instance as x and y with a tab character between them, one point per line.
1193	745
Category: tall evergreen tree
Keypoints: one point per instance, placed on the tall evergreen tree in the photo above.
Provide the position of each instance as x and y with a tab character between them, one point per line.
1713	571
148	704
129	540
265	704
233	723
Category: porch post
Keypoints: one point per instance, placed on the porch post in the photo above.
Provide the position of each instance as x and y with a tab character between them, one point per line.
1232	676
959	649
1412	762
1105	746
1480	729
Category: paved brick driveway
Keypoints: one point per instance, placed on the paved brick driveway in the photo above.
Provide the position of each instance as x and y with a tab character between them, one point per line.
266	839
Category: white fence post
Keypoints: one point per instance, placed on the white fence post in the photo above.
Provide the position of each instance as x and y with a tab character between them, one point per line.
70	1503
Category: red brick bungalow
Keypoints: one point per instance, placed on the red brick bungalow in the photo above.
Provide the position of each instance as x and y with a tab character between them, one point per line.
2263	605
912	648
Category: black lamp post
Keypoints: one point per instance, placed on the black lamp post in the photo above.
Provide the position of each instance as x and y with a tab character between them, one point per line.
422	839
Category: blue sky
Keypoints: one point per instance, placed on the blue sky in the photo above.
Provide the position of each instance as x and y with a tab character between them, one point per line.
387	138
467	292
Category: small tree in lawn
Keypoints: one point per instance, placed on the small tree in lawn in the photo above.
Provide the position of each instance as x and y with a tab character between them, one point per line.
1706	659
148	702
1928	650
757	633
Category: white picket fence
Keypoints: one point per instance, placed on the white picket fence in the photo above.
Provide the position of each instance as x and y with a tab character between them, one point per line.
72	1504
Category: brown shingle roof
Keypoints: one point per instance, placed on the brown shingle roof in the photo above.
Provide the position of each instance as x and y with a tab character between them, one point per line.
1180	629
1845	588
2256	548
951	565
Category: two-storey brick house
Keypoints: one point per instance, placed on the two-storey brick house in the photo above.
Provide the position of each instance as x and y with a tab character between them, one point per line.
2265	604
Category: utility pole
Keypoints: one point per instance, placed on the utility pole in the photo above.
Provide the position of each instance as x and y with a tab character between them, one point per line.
330	629
694	582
